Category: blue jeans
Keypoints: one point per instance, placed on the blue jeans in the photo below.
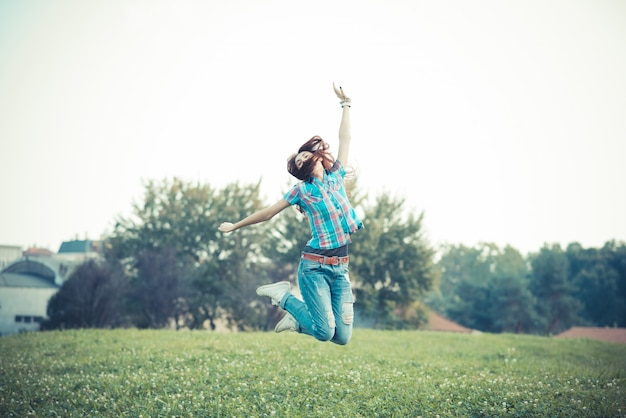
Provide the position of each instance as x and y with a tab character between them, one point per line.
327	312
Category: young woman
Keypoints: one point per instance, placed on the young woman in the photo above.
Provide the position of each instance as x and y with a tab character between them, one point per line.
326	311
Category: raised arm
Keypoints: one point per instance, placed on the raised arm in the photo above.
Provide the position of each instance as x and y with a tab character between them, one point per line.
261	216
344	127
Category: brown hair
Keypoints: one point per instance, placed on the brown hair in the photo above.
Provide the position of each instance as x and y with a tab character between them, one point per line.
319	149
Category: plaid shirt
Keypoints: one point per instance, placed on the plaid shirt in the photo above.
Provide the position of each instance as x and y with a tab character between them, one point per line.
327	207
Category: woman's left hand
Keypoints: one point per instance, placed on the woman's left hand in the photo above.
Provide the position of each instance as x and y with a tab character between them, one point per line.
339	92
345	100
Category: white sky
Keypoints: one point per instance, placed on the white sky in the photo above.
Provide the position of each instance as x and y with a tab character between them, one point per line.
504	122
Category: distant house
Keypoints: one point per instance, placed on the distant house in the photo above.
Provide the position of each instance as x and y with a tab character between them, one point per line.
28	283
36	252
8	253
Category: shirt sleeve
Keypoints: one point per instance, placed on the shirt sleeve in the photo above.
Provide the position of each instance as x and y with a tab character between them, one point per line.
338	169
293	195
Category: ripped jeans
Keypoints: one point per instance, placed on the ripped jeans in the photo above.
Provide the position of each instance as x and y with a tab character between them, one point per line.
327	312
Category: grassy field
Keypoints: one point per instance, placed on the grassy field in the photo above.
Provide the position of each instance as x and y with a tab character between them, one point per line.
136	373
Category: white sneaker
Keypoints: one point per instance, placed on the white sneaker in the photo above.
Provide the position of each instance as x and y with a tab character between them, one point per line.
275	291
288	323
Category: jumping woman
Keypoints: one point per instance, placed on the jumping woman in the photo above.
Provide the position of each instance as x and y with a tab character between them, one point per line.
326	311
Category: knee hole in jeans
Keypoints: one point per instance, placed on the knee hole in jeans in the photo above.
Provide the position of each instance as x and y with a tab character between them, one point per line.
347	313
331	320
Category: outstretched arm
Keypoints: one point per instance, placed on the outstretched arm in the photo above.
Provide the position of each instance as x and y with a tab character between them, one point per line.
261	216
344	127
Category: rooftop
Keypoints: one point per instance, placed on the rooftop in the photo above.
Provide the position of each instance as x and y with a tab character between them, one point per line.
615	335
437	322
83	246
25	280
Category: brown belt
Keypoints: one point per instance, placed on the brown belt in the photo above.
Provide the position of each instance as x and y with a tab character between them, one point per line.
325	260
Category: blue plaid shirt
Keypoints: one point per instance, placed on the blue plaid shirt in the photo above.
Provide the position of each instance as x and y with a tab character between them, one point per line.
327	207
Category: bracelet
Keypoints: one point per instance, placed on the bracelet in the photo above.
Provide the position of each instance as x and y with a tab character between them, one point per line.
345	102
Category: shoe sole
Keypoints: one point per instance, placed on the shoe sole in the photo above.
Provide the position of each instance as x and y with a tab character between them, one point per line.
268	286
277	327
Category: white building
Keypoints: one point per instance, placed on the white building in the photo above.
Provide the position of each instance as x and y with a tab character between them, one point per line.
28	283
8	254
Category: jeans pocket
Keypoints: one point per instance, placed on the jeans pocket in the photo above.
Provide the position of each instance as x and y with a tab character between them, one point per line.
309	266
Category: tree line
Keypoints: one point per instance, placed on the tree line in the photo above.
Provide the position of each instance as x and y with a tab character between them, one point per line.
499	290
167	265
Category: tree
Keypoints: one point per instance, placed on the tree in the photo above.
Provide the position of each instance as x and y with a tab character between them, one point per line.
485	288
596	276
391	265
550	284
174	214
92	297
176	221
222	269
464	286
618	263
159	288
512	305
226	283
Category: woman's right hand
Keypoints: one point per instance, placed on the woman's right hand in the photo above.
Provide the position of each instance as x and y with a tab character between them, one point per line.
226	227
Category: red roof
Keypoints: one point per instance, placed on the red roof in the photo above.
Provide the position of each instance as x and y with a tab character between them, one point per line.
34	251
614	335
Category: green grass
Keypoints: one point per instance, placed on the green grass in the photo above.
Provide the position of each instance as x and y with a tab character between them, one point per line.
380	373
